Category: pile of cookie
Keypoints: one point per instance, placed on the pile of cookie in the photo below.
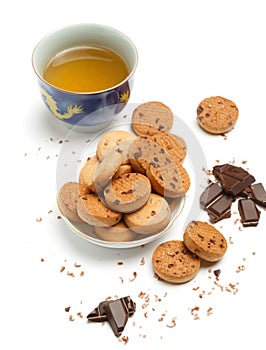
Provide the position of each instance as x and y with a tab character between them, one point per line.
178	261
129	188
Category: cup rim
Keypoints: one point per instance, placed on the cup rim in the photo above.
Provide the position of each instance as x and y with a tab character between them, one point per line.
84	25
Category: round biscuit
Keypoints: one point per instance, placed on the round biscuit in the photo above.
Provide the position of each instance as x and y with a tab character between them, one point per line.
150	158
112	139
151	117
91	210
87	173
117	233
68	197
127	193
110	163
173	144
123	169
174	263
152	218
217	115
205	240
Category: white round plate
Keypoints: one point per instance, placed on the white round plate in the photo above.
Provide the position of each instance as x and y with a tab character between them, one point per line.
78	146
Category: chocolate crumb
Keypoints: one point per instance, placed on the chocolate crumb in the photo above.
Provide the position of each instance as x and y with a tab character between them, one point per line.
217	273
142	261
134	277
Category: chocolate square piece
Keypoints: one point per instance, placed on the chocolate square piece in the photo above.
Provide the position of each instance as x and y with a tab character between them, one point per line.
220	209
249	213
210	194
258	194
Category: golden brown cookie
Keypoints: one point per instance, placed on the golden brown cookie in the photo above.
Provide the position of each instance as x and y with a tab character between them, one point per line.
143	152
217	114
174	263
111	161
117	233
173	144
152	218
91	210
166	181
151	117
171	180
112	139
123	169
87	173
67	199
127	193
185	179
205	240
148	157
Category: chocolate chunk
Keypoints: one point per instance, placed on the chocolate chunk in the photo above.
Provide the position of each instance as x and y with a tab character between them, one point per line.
216	202
233	179
220	209
117	316
258	194
98	314
116	312
249	213
210	194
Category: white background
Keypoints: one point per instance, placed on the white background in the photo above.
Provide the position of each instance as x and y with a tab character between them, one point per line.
188	50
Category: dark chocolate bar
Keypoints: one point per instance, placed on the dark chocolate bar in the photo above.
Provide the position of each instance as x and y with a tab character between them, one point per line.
210	194
258	194
249	213
116	312
233	179
216	202
220	209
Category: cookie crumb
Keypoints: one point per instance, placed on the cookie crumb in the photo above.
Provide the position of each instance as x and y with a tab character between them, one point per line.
142	261
209	311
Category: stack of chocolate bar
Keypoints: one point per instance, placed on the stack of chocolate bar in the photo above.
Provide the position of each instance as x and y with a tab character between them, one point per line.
235	183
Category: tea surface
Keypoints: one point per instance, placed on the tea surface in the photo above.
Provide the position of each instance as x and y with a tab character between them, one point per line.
85	69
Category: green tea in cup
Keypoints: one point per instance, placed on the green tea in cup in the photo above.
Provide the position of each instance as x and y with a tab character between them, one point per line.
89	68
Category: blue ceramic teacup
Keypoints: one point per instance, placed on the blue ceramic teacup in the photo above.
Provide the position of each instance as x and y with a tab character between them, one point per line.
90	111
